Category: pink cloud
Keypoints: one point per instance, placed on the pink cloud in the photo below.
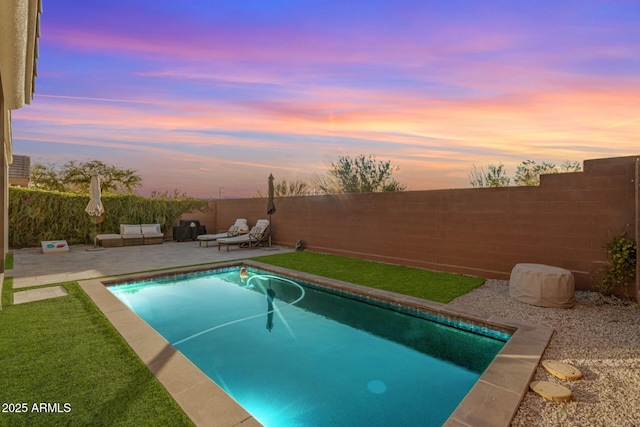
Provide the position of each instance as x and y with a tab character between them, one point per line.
524	116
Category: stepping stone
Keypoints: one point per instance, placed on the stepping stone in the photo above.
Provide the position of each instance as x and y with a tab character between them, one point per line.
551	391
39	294
562	370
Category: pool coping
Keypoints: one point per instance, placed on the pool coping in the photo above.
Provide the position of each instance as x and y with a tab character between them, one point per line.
491	402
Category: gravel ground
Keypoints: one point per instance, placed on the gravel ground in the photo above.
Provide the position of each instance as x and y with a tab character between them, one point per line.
600	336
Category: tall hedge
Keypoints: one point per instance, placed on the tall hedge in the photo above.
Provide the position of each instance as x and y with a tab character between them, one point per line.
37	215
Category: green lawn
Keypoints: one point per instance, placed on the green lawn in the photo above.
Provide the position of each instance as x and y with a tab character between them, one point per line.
64	351
429	285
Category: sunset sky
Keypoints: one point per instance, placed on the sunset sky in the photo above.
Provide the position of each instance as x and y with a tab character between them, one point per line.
202	94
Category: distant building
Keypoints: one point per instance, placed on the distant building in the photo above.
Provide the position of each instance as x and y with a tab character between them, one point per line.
19	171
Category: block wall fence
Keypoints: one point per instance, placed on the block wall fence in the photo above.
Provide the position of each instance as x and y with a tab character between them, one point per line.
565	222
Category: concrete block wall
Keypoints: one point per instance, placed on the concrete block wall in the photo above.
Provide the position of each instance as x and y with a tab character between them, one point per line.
564	222
637	212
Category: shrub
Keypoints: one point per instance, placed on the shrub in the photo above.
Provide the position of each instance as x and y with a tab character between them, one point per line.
622	264
37	215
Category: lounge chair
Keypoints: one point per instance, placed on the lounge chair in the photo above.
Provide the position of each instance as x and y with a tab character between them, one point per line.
257	235
238	228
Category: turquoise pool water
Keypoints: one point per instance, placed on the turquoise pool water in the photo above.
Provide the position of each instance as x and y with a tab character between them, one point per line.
294	354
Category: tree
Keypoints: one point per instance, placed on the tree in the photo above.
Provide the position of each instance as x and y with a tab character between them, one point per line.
570	166
167	195
45	178
286	188
495	176
528	173
362	174
325	184
75	177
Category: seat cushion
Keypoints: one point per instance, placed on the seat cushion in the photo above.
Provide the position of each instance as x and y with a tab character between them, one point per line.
130	229
150	229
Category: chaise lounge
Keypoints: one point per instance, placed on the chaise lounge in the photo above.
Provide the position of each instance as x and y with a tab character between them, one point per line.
238	228
255	237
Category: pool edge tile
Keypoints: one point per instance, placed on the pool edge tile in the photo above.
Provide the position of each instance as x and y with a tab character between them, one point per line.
201	399
486	405
494	400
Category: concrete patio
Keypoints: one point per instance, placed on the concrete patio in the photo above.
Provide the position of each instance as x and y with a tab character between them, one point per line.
33	268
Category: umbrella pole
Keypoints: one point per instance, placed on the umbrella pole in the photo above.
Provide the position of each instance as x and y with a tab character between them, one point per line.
269	230
95	237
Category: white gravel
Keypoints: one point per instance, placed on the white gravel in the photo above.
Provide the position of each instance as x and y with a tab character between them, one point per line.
600	336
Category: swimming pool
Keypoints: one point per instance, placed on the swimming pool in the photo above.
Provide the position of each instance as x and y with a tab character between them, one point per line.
296	353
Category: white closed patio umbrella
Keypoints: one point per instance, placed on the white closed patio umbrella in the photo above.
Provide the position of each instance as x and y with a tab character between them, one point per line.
95	208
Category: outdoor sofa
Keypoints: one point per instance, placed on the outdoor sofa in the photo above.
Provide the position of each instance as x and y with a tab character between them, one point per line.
255	237
132	235
238	228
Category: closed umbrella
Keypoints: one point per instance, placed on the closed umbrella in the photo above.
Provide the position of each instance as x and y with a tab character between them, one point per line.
271	207
95	208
